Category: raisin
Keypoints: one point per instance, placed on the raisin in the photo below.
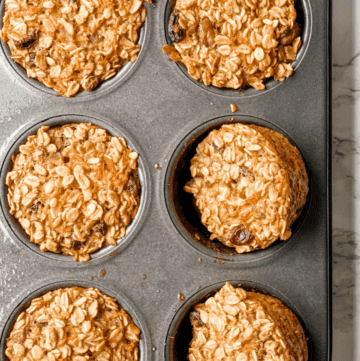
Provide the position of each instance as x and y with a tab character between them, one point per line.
133	184
75	245
288	36
32	59
196	319
100	227
241	236
216	148
175	32
28	41
61	143
261	354
34	208
65	141
246	173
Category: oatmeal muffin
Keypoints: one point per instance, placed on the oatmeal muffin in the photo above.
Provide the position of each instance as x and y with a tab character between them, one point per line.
234	43
246	326
73	324
72	45
250	185
74	189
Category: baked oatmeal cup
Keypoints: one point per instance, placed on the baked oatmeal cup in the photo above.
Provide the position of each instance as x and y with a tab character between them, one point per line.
234	44
74	189
249	185
239	325
72	45
74	324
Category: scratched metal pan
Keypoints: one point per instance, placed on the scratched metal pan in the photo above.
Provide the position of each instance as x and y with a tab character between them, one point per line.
163	114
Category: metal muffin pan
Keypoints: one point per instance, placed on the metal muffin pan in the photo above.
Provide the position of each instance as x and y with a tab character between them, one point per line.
55	121
180	204
105	87
304	18
180	330
156	109
123	301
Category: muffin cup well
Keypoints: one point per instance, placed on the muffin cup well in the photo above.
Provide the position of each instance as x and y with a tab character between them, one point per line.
304	18
143	172
110	290
19	73
180	204
179	333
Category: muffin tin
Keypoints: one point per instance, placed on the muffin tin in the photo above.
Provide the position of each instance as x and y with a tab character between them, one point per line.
33	85
161	114
304	18
180	331
181	206
13	224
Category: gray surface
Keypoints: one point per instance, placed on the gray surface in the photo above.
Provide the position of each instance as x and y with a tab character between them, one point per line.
158	106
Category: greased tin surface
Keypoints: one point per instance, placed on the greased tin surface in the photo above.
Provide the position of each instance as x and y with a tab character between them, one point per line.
158	110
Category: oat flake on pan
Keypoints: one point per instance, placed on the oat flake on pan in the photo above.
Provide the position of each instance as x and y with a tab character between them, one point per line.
234	43
74	189
250	185
73	324
245	326
72	45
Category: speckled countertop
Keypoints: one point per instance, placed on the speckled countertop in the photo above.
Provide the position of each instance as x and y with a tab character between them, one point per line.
346	176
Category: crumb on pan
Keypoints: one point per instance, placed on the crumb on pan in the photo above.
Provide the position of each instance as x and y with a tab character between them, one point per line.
233	107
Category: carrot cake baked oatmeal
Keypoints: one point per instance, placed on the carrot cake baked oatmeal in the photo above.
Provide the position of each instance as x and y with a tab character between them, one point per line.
246	326
74	324
250	185
234	43
74	189
72	45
